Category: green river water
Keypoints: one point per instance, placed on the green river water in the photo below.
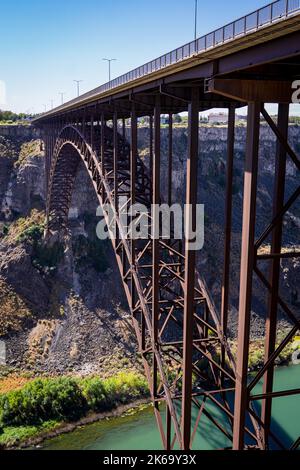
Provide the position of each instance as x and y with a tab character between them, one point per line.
138	431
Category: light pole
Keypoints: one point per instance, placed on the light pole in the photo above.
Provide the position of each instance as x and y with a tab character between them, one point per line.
62	97
45	108
78	85
109	67
52	105
196	17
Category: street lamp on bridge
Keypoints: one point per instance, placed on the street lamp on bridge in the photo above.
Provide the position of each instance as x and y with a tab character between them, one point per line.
62	94
78	86
109	67
196	18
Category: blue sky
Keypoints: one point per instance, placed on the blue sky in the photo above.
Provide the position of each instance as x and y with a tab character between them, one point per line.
48	43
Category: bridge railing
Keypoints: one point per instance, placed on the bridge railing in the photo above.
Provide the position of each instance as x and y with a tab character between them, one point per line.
260	18
267	15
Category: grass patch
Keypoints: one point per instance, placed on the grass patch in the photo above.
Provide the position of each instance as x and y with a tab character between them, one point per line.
12	436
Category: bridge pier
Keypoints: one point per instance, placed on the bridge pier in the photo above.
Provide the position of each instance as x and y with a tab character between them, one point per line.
181	335
247	266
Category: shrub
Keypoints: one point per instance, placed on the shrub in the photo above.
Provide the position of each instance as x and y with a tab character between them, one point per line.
67	399
47	256
5	229
42	400
125	387
28	229
90	252
93	391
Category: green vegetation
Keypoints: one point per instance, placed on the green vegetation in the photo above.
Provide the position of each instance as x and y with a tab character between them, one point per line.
102	395
8	117
256	355
90	252
13	435
30	230
26	228
44	403
295	120
27	150
47	258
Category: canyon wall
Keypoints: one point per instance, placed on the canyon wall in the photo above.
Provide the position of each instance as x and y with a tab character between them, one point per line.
75	315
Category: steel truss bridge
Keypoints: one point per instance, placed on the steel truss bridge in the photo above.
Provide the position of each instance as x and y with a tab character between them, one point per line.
251	61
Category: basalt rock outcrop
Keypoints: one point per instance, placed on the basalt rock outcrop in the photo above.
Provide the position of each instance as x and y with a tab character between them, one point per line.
75	314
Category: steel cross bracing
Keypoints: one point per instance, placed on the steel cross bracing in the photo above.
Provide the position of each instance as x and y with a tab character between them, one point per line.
181	338
153	273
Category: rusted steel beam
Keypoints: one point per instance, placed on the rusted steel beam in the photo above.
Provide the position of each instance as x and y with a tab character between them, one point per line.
170	159
271	319
133	168
190	265
247	265
169	429
155	241
269	396
268	91
92	131
228	223
151	146
102	142
115	167
281	137
296	444
277	218
123	135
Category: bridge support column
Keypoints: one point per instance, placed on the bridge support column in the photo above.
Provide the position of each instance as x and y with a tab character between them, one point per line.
115	167
170	159
92	131
247	265
190	265
155	236
271	320
151	145
228	221
133	168
102	151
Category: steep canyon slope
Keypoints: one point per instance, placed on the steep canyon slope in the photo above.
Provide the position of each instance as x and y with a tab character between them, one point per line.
62	306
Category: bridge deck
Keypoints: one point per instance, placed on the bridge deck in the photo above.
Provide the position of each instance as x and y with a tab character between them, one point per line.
274	21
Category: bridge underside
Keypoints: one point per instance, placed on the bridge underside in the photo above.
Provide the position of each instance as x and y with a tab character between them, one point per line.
181	336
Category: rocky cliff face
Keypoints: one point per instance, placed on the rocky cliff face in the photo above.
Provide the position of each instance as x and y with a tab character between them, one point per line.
70	298
74	312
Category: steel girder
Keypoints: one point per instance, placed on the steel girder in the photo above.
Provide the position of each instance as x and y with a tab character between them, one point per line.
177	325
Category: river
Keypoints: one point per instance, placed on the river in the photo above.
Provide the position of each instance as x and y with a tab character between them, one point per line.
137	430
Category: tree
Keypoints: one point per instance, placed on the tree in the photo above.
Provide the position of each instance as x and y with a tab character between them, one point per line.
177	118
